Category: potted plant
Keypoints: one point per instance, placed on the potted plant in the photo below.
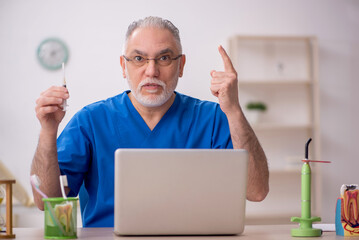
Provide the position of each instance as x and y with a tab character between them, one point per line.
255	110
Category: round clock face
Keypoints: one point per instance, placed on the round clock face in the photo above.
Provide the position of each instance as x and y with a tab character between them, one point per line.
51	53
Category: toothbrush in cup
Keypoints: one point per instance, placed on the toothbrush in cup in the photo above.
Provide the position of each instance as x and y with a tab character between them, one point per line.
63	184
35	182
71	220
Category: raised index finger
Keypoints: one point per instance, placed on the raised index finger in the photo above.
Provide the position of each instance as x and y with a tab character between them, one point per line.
228	66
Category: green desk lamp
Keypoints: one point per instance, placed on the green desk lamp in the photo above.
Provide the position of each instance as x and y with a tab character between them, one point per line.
305	221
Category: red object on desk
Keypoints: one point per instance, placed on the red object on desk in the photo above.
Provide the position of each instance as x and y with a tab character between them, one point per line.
305	160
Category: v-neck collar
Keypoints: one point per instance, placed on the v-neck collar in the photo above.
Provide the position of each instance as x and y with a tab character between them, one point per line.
144	125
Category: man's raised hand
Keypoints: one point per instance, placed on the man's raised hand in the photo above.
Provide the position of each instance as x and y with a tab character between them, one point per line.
224	85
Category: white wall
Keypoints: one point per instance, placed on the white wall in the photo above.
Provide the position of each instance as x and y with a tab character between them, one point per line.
94	32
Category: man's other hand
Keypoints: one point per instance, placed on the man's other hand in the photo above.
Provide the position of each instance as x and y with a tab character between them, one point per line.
49	107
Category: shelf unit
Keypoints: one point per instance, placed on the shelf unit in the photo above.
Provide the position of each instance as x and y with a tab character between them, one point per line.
281	71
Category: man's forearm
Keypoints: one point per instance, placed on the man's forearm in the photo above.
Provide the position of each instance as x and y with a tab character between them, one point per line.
243	137
45	166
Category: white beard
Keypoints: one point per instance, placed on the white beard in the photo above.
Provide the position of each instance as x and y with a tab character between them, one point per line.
153	100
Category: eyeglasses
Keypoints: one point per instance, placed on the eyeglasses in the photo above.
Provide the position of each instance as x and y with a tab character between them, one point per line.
163	60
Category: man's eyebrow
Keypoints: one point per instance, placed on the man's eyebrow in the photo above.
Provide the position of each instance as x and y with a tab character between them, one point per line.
138	52
164	51
167	50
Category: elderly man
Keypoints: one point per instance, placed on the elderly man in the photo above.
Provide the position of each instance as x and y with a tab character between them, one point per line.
150	115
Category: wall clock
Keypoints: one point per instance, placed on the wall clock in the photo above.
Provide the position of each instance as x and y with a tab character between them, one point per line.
51	53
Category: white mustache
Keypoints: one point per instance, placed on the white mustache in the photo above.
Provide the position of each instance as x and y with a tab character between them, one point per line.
152	81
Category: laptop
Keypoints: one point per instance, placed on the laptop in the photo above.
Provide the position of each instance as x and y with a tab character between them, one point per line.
180	191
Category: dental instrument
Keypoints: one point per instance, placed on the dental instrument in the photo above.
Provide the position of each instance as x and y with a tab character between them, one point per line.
63	183
64	105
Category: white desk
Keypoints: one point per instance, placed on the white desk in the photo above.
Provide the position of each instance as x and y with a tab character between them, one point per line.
258	232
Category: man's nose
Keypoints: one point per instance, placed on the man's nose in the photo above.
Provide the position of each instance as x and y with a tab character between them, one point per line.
152	69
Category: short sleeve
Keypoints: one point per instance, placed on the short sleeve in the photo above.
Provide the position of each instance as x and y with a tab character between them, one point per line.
221	138
74	151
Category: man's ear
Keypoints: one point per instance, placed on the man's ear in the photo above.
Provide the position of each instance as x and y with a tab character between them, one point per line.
182	63
123	65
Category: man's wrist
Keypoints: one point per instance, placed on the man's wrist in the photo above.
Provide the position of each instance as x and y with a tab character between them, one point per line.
235	114
48	133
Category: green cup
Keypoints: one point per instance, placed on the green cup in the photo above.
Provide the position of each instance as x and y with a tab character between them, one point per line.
60	218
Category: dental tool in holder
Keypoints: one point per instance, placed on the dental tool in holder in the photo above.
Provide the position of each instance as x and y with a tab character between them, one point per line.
64	105
305	221
63	184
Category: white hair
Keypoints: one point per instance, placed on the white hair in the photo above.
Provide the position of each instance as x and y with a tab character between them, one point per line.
155	22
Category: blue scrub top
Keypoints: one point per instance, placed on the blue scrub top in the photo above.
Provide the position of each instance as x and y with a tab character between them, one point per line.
87	144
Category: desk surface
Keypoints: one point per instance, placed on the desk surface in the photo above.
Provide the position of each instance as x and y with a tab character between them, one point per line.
262	232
